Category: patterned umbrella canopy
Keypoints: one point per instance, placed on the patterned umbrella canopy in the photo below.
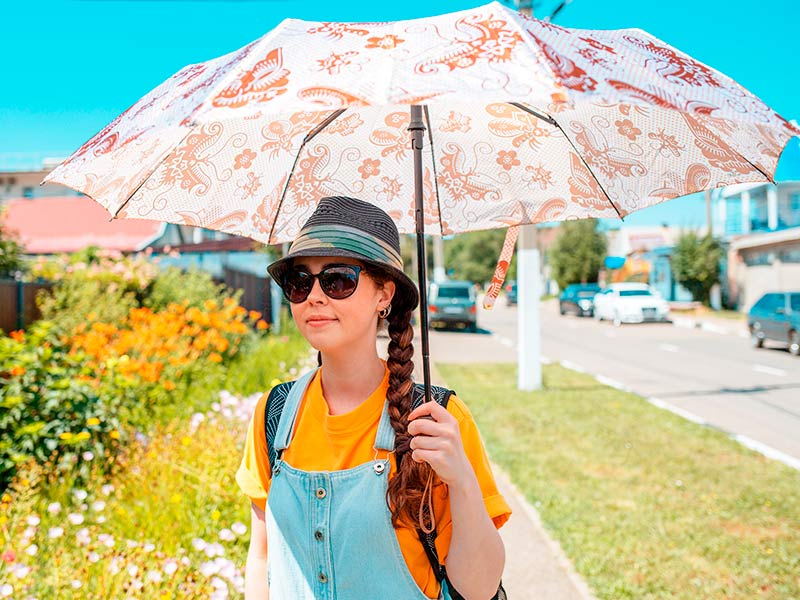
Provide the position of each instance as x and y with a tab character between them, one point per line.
525	122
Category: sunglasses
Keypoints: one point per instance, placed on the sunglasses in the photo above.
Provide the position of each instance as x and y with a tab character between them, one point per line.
337	282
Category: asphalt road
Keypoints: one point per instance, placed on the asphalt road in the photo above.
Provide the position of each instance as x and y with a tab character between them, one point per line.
716	377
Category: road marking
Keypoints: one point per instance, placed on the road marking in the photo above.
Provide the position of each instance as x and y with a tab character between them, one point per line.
668	348
572	366
612	383
508	342
769	370
767	451
677	410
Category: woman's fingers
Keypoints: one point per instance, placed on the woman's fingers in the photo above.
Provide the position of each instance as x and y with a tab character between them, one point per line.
421	426
432	409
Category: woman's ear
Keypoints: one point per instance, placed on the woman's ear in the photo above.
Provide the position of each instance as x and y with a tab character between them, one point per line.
387	292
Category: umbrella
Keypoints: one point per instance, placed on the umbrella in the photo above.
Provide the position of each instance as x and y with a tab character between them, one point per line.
512	121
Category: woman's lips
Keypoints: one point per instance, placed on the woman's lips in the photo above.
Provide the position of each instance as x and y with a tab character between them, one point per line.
319	321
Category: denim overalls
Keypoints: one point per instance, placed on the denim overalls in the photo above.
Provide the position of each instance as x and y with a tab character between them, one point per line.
330	534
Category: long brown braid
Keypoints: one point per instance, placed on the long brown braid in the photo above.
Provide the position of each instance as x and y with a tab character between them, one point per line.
405	491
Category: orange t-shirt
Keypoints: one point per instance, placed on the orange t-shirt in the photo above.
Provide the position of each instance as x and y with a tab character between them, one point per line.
325	442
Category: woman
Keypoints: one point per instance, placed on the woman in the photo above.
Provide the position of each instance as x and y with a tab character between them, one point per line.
337	518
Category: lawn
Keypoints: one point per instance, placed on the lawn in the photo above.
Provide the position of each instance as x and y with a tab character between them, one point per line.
645	503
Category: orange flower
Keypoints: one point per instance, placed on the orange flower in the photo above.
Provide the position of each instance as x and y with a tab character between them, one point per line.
16	371
254	315
262	325
17	336
215	357
210	304
169	386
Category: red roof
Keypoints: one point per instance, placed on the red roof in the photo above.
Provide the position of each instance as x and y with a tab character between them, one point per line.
67	224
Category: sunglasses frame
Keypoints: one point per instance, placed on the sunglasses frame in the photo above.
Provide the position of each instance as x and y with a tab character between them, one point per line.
318	276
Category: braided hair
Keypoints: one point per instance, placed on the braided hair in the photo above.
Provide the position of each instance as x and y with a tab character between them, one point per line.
405	491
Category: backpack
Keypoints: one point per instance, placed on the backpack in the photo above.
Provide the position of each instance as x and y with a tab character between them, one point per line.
272	416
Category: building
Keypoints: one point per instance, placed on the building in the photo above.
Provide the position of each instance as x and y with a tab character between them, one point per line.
759	225
21	175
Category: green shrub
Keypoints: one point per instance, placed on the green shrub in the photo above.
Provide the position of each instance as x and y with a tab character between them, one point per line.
52	408
193	286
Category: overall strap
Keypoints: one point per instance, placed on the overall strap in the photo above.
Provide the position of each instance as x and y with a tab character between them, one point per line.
285	398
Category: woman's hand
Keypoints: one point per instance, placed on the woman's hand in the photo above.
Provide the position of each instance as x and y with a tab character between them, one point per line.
437	441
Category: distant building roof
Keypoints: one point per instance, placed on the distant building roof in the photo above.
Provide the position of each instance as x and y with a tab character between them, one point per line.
66	224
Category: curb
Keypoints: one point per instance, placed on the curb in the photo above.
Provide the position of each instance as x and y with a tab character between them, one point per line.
692	323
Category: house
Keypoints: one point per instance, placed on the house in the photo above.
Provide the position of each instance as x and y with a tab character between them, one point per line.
759	225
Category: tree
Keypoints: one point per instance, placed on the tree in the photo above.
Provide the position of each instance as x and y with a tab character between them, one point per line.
10	252
578	252
695	264
473	256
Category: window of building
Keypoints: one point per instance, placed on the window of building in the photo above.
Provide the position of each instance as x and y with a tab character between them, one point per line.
790	256
754	259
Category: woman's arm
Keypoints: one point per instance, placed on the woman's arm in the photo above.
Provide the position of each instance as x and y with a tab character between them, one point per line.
476	556
255	571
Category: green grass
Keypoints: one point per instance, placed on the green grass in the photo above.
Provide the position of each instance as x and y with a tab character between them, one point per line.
645	503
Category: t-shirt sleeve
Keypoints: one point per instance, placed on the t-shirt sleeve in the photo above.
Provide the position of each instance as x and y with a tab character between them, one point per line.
253	475
496	506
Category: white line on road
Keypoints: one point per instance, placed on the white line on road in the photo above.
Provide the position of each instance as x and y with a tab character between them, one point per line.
767	451
769	370
612	383
677	410
668	348
572	366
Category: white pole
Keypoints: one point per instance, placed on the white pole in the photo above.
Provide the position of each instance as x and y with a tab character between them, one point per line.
439	273
529	362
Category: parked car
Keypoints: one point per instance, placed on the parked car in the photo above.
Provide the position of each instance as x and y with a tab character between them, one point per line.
630	303
578	298
776	316
511	293
453	303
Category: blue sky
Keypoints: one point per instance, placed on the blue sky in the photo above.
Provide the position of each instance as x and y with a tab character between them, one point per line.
72	66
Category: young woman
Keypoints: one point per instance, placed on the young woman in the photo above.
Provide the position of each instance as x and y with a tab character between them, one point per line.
340	515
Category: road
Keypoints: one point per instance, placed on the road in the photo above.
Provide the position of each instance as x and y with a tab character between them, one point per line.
716	377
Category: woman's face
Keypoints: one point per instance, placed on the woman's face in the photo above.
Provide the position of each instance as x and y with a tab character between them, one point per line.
332	325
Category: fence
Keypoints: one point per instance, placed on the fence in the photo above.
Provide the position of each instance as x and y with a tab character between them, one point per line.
256	293
18	303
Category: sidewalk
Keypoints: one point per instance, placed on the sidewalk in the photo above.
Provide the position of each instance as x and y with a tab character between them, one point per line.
712	323
536	567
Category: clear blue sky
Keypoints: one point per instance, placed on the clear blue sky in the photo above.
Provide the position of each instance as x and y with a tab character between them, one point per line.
72	66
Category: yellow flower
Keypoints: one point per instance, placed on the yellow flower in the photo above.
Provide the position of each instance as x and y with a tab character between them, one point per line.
216	515
175	498
93	421
274	382
7	498
186	440
83	435
114	434
65	436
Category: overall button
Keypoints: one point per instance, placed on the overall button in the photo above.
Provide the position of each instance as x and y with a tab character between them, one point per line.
321	493
318	535
322	577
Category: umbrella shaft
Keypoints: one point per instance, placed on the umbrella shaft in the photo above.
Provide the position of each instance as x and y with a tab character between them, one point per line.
417	129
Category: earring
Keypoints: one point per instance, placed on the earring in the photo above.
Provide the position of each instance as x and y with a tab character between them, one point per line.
384	312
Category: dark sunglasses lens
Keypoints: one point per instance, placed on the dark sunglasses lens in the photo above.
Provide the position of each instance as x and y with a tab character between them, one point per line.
297	286
338	282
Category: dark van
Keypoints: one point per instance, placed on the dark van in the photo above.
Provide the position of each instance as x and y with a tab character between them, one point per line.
776	316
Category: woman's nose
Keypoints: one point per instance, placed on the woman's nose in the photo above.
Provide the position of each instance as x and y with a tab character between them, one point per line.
316	294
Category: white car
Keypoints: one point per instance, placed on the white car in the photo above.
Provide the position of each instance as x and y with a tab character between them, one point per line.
630	303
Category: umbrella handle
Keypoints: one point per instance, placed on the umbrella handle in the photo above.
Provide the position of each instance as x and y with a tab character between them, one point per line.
417	129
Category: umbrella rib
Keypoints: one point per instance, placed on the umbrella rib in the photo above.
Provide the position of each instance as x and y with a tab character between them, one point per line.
588	168
543	117
309	136
433	166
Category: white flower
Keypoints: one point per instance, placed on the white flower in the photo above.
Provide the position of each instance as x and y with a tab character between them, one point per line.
76	584
54	508
185	561
28	533
113	566
209	568
98	505
75	518
136	584
80	495
93	557
107	489
227	568
106	540
131	543
199	544
55	532
83	537
239	528
34	520
21	570
214	549
154	576
133	570
170	567
6	590
219	584
32	550
87	456
215	406
226	535
101	519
